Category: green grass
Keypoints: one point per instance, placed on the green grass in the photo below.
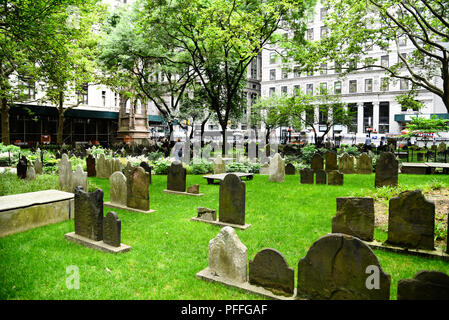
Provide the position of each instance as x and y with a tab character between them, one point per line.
168	249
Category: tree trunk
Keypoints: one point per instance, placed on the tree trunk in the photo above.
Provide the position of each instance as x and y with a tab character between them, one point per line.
203	125
5	122
267	136
60	119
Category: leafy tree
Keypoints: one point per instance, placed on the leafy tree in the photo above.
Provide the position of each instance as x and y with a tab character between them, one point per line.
408	101
266	110
422	127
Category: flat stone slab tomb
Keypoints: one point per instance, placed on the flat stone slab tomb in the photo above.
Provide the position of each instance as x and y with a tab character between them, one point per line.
97	245
222	224
21	212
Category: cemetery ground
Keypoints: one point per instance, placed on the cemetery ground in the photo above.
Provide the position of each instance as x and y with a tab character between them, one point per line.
168	249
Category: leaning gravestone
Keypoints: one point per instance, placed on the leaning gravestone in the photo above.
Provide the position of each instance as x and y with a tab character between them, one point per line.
364	164
228	257
219	165
90	164
277	169
89	214
65	173
386	170
425	285
355	217
22	168
331	161
118	189
38	166
232	200
346	164
138	190
321	177
411	221
335	178
317	162
338	267
79	178
31	173
176	178
306	176
112	227
270	270
290	169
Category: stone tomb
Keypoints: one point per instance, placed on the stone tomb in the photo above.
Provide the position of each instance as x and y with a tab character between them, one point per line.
22	167
346	164
320	177
306	176
425	285
331	161
386	170
335	178
38	166
364	164
355	217
277	169
90	164
219	165
138	195
290	169
31	173
79	178
317	162
176	180
65	174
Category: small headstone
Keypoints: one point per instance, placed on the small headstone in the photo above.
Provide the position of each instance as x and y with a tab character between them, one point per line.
195	189
38	166
355	217
232	200
219	165
112	227
411	221
335	178
118	189
138	190
277	169
317	162
22	168
79	178
176	178
290	169
31	174
228	257
346	164
337	267
364	164
65	173
306	176
89	214
270	270
321	177
90	164
265	168
331	161
386	170
425	285
206	214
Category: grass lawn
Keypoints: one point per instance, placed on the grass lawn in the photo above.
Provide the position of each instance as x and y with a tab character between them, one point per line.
168	249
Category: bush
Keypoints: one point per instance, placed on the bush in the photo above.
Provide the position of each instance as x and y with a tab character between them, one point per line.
161	165
307	153
200	166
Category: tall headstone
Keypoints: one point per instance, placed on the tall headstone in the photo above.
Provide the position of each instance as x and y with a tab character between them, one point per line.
232	200
411	221
116	165
79	178
306	176
176	178
331	161
31	174
364	164
219	165
118	189
277	169
355	217
138	190
425	285
270	270
89	214
65	173
346	164
90	164
112	227
335	178
320	177
38	166
102	167
21	168
228	257
317	162
386	170
337	267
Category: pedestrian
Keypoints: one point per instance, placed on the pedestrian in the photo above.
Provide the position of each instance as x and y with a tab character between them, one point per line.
178	149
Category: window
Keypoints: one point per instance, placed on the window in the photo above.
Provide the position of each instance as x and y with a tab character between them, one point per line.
284	90
28	87
337	87
310	34
337	67
82	94
352	65
323	68
272	91
272	57
323	32
352	86
384	117
353	109
309	89
367	116
368	85
115	99
296	89
384	61
254	68
403	84
384	84
103	98
296	72
323	14
323	87
273	74
284	74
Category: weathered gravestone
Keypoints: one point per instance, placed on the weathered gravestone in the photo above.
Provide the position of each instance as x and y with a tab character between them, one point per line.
232	200
335	178
338	267
228	257
22	167
411	221
89	214
290	169
306	176
118	189
364	164
265	168
79	178
346	164
355	217
90	164
425	285
331	161
31	174
103	167
219	165
38	166
277	169
321	177
386	170
138	190
146	167
206	214
317	162
270	270
195	189
112	227
116	165
128	170
65	173
176	178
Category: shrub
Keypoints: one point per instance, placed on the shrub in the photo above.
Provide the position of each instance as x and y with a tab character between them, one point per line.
200	166
307	153
161	165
